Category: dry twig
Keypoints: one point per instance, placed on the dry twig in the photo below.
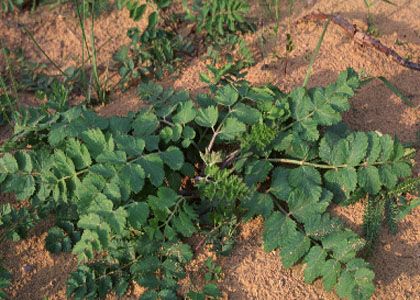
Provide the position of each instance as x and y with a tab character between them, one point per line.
362	38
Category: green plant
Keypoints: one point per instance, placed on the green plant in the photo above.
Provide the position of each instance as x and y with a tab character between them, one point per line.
152	52
210	289
156	50
234	53
136	187
5	280
220	23
84	9
219	18
389	207
370	19
7	103
10	5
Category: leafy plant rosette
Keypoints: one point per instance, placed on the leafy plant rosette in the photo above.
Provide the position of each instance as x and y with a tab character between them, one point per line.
128	191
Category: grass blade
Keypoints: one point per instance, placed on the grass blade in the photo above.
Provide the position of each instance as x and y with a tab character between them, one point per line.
315	53
396	91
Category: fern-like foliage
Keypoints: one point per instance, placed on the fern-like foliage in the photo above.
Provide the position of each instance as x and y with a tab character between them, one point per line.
127	191
389	206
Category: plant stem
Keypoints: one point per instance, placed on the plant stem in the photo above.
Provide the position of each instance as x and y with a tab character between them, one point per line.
164	121
9	104
213	139
173	212
31	36
99	91
217	132
325	166
9	68
304	163
315	53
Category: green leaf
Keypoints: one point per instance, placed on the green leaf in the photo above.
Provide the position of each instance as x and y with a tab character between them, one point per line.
374	148
294	146
153	19
280	186
207	117
231	129
369	179
24	161
183	224
62	164
349	151
227	95
189	133
152	142
330	273
131	145
246	114
173	157
116	219
134	175
318	226
344	244
22	186
257	171
8	164
296	246
387	145
176	132
342	182
306	180
181	251
137	13
165	199
324	112
95	141
138	214
357	145
166	134
113	192
120	125
25	187
388	177
153	166
186	113
356	285
271	237
315	261
79	153
276	229
258	204
115	157
212	290
89	242
57	134
303	208
145	124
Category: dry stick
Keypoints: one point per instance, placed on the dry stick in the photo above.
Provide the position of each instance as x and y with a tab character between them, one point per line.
362	38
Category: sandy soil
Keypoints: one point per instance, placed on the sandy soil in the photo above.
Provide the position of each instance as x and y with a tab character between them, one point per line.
250	273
